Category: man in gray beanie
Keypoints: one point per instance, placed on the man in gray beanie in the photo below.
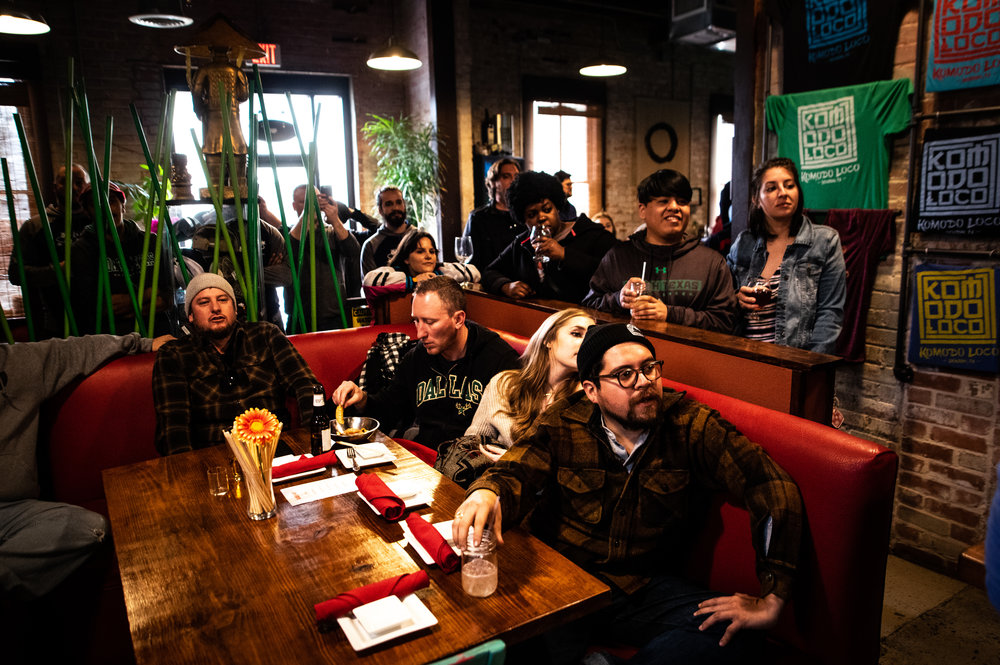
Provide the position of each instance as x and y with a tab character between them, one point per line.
614	474
202	382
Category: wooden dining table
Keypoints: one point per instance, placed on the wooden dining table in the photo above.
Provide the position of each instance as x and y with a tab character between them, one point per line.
205	584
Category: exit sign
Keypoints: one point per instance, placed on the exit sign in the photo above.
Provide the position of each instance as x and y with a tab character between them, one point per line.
272	56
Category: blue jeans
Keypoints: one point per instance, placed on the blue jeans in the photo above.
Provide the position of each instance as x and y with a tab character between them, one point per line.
659	620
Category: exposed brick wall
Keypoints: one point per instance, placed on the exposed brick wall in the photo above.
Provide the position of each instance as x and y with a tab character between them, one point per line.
123	63
944	425
511	39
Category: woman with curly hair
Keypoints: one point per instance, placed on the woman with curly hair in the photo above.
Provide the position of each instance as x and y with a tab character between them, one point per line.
556	263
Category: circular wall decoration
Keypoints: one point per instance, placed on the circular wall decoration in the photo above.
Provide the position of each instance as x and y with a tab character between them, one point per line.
661	127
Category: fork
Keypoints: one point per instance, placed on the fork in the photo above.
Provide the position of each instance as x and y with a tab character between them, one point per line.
352	455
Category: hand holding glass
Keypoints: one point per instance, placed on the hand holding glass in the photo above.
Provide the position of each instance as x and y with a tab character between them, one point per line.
539	232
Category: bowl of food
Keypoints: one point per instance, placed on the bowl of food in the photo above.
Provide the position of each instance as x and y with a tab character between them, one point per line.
356	429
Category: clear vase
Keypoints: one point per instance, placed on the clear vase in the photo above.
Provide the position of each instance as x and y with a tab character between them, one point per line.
260	493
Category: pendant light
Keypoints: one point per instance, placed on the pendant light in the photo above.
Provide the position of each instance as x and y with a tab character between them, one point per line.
604	65
394	58
17	22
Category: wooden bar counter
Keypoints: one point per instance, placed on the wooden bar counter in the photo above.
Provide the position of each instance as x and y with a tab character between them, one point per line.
779	377
204	584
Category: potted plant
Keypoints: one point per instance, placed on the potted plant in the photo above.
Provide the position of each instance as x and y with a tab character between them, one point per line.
407	157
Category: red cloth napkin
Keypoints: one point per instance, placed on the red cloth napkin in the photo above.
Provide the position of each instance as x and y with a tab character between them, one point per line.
304	464
434	543
378	493
400	586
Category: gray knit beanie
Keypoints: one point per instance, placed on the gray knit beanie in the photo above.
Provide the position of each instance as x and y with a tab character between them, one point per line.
206	280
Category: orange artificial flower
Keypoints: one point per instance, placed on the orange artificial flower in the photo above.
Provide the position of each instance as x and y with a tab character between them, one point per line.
256	425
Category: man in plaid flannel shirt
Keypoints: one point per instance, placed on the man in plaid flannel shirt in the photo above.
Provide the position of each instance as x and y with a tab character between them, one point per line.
617	474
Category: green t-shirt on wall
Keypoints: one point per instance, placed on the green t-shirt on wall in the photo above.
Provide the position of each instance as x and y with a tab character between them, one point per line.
837	137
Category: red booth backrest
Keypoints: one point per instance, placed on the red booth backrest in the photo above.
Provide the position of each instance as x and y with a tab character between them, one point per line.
847	488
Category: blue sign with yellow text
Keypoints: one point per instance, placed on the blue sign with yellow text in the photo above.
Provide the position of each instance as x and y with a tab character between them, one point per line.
955	318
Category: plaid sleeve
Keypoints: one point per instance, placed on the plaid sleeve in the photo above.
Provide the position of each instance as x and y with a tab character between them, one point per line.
728	460
172	401
293	372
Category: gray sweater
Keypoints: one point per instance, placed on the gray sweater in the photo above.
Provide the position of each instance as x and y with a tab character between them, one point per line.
30	373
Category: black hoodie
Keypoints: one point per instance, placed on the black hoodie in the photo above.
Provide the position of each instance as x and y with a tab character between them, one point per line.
692	280
441	395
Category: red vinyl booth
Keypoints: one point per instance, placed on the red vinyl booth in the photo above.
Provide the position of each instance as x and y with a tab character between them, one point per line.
107	420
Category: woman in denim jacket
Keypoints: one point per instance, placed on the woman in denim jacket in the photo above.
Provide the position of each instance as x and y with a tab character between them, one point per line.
790	272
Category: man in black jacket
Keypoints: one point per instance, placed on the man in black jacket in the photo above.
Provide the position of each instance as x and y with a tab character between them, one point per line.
439	382
558	265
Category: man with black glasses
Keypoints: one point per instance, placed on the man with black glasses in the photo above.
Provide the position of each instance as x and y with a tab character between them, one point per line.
614	475
202	382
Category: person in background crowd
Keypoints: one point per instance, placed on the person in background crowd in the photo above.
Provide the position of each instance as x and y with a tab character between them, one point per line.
492	227
556	266
568	213
202	382
685	282
86	263
611	476
604	219
722	232
417	260
992	555
797	266
345	251
439	382
44	298
380	249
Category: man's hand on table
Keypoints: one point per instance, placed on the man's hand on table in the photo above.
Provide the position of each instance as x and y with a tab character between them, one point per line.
743	611
349	393
480	509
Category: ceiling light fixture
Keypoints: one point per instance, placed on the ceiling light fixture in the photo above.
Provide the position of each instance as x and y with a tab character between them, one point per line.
16	22
603	68
394	58
162	14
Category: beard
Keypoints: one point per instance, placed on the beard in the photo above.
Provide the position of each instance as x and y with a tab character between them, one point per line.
644	410
215	333
395	219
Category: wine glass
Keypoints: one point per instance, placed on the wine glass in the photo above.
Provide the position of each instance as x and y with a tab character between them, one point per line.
463	248
761	294
539	231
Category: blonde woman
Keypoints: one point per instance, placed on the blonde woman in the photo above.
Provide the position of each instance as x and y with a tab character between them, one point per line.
513	399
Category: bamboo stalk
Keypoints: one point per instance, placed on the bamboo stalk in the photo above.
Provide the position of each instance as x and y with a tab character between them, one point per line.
297	315
154	181
164	217
229	154
16	239
68	191
29	167
102	216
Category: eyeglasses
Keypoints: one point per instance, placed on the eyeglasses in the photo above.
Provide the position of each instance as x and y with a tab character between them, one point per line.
627	376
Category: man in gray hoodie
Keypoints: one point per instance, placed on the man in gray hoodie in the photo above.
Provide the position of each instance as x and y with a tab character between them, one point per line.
685	282
42	542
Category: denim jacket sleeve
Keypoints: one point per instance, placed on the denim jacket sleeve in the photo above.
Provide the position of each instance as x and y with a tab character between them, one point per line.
831	294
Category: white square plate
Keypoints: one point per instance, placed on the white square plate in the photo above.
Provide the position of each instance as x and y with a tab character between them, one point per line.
369	454
411	494
444	528
284	459
420	618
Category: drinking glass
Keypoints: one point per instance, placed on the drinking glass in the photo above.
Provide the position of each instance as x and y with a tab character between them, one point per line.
479	565
538	232
762	295
218	480
463	248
